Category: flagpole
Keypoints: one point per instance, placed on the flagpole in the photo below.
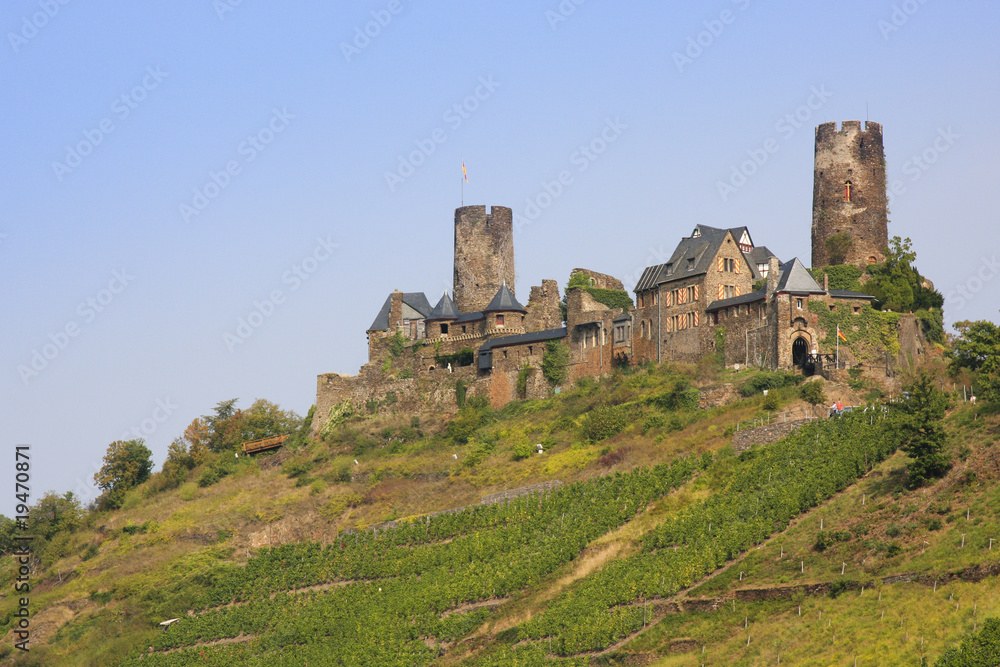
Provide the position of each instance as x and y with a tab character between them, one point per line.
463	181
838	347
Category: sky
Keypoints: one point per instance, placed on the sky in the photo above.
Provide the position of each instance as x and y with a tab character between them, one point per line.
210	200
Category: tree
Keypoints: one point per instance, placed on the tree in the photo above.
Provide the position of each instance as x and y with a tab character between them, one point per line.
923	436
179	462
555	361
978	349
897	285
126	465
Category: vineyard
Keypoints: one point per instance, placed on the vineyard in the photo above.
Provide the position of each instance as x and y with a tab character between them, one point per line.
385	597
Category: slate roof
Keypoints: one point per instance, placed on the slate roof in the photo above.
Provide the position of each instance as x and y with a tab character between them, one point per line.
485	355
624	317
415	300
849	294
692	257
793	277
444	310
738	300
469	317
504	301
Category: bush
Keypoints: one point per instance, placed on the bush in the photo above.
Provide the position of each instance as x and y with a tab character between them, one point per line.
522	450
555	361
606	421
770	403
812	393
765	380
463	357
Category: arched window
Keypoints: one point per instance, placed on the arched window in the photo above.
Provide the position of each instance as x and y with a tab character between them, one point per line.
847	191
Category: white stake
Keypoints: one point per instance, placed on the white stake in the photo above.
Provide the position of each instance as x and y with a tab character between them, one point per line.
963	541
843	566
802	565
821	524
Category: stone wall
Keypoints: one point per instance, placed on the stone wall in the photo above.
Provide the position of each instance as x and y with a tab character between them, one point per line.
600	280
854	155
764	435
543	307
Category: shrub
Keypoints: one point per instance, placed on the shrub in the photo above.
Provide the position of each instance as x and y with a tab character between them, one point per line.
770	403
812	393
606	421
463	357
555	361
522	450
761	381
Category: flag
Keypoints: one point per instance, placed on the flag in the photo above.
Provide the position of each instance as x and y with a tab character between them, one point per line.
839	333
465	174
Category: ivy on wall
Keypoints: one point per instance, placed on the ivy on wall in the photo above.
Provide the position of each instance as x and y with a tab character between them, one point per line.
868	332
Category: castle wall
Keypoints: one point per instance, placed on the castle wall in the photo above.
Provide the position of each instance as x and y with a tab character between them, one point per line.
600	280
484	255
543	307
856	155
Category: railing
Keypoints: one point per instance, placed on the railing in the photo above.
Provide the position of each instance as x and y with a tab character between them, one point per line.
782	417
262	444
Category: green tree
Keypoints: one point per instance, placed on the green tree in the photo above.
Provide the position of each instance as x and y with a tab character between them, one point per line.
978	650
126	465
897	285
555	362
923	436
179	462
812	393
978	349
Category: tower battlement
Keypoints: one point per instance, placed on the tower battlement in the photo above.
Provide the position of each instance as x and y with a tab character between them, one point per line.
849	197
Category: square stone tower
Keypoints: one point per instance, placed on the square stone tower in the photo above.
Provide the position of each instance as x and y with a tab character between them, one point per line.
484	255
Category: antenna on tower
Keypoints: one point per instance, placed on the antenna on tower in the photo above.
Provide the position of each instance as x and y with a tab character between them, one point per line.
866	111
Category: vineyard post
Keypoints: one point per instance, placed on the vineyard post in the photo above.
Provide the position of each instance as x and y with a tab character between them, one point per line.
843	566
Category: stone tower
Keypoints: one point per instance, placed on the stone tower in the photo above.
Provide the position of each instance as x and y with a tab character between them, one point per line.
484	255
849	193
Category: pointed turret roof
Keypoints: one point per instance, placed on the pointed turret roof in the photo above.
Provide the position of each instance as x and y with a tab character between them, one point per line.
444	310
794	278
504	301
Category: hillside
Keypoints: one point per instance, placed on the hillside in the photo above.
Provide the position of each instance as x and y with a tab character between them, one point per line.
639	536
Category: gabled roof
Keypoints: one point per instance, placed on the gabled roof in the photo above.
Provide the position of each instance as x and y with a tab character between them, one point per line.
415	300
624	317
793	277
444	310
692	257
759	295
504	301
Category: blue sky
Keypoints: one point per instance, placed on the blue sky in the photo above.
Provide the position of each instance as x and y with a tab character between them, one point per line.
171	169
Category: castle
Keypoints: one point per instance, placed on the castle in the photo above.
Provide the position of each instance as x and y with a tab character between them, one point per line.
719	293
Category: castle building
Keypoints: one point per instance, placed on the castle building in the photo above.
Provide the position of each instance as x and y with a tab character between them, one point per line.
719	293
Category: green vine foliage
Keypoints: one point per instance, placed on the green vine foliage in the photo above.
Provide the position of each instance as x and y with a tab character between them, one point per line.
339	413
555	362
868	332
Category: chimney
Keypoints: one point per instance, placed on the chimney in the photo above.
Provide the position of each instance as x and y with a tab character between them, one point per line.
772	275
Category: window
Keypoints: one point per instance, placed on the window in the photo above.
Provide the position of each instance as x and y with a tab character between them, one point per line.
857	309
847	191
798	304
833	308
444	329
463	328
715	317
620	333
728	291
499	320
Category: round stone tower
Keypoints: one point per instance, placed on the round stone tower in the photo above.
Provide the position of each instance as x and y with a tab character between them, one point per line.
484	255
850	221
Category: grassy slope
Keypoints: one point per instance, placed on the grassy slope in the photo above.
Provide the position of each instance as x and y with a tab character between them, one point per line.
109	604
